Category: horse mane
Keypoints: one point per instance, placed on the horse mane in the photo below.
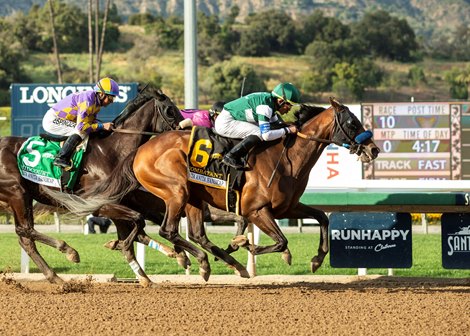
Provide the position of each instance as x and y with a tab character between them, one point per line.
307	112
142	97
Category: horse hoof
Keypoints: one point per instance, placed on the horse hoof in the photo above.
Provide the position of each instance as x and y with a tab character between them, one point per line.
243	273
205	274
183	260
315	264
240	241
287	257
112	244
205	270
145	282
73	256
55	279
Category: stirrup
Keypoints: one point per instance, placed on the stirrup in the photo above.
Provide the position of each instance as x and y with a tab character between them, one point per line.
234	163
62	163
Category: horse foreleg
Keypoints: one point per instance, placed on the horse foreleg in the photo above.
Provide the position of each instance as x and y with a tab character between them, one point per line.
169	231
70	253
264	220
140	274
30	248
197	233
305	211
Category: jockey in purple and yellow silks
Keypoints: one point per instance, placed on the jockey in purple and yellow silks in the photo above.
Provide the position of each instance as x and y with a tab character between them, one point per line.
75	116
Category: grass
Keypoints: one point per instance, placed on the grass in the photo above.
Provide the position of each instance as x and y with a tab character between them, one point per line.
95	259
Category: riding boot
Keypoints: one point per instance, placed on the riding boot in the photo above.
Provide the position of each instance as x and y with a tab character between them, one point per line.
63	158
239	151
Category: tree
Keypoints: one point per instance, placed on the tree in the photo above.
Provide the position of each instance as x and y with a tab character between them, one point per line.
386	36
459	82
224	81
210	42
253	42
54	40
317	27
275	27
140	19
12	54
169	32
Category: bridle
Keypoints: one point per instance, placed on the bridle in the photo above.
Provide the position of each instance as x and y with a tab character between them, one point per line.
353	144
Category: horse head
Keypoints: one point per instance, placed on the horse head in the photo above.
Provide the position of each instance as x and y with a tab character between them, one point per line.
150	110
346	131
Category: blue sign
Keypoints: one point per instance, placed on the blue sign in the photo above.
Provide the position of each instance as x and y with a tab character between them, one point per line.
29	103
455	236
370	240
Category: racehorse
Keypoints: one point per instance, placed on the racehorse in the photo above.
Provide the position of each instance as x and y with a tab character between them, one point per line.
150	113
160	166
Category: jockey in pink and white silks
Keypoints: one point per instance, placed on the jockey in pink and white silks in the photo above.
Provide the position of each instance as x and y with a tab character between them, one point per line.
75	116
250	118
202	118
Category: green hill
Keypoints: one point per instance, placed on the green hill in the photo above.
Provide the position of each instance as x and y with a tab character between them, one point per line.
426	17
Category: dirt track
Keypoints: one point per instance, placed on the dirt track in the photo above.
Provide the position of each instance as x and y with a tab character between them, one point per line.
379	306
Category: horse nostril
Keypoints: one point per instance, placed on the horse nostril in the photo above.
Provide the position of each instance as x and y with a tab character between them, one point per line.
375	152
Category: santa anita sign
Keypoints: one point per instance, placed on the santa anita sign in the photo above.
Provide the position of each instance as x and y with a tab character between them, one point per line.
29	102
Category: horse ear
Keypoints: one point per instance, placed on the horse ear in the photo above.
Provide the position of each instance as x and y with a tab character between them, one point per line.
335	103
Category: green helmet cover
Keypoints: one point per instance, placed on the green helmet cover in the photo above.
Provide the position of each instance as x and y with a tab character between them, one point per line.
288	92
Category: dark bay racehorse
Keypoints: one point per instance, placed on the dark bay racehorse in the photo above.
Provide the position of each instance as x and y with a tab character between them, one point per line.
160	166
149	113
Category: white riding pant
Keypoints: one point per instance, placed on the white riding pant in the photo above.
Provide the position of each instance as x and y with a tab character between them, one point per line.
58	126
227	126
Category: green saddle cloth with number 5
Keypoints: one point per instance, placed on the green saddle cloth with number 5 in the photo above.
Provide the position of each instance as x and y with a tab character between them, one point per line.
35	162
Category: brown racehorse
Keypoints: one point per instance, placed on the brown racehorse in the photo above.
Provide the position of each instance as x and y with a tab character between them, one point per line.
160	166
151	112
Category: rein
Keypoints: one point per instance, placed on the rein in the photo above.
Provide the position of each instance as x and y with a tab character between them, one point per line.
129	131
166	121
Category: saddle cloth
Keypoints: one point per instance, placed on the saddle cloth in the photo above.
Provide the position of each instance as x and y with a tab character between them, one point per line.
206	150
35	162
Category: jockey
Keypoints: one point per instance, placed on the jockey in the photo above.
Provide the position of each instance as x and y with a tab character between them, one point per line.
75	116
203	118
250	118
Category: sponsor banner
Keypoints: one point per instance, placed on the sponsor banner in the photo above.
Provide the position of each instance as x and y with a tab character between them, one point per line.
207	180
29	103
370	240
336	167
455	236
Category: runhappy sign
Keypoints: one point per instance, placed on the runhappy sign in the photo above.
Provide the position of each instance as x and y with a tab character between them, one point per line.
370	240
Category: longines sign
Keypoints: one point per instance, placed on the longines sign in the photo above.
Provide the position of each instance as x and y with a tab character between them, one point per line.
370	240
29	103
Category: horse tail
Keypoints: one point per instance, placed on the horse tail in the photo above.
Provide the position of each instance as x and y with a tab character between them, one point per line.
121	182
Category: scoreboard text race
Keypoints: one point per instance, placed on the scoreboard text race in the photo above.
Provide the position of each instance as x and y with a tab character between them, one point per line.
419	140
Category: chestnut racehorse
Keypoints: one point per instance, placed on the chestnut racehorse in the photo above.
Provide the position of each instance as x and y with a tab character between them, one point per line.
274	183
149	113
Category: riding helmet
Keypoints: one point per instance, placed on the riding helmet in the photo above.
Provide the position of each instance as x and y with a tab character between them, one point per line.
288	92
107	86
216	108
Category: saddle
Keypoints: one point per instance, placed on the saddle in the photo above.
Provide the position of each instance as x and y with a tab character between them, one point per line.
35	162
206	150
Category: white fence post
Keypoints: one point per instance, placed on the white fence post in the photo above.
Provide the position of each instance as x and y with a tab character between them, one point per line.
253	237
140	255
24	261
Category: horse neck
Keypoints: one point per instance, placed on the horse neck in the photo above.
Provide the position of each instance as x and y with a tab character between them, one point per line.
141	120
307	152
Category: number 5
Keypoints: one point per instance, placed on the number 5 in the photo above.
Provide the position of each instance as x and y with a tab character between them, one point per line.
35	153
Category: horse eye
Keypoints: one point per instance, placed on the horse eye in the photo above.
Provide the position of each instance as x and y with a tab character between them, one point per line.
351	124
